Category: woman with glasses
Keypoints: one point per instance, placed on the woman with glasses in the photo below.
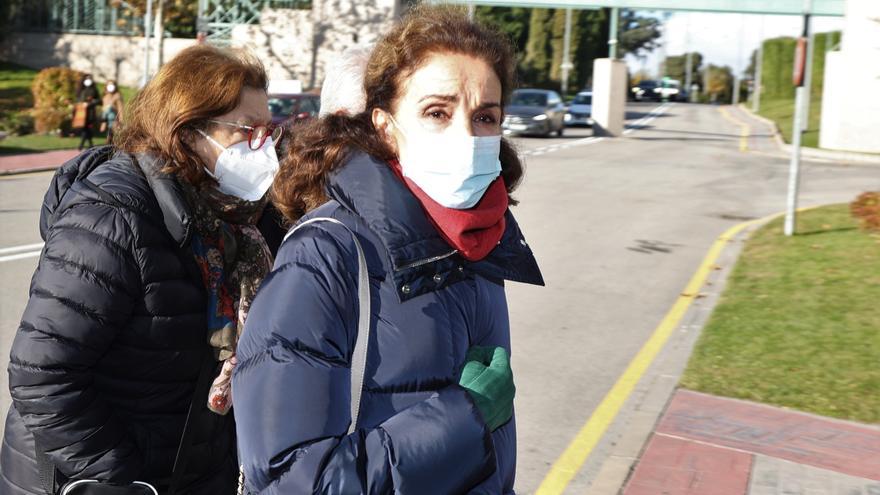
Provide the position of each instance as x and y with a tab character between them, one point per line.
421	181
150	263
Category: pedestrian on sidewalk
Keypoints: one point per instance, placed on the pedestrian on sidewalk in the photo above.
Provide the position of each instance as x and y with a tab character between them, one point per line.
418	184
112	105
85	111
150	262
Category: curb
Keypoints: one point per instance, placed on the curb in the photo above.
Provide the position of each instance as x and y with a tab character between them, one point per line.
639	417
823	154
33	170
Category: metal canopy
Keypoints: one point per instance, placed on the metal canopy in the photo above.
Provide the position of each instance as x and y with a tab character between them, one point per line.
781	7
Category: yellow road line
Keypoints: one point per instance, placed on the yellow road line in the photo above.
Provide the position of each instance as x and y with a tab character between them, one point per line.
744	129
568	464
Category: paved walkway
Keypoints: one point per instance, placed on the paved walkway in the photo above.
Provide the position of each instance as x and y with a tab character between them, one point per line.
707	445
34	162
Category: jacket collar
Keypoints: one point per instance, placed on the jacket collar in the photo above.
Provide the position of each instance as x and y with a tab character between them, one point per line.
369	188
169	195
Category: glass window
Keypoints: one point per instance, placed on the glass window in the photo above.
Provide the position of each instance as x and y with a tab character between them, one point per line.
529	98
583	99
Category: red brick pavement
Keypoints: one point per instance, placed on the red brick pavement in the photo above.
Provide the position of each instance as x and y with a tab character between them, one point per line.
705	445
34	162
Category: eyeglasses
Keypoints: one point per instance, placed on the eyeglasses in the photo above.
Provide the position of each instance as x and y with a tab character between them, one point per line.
256	134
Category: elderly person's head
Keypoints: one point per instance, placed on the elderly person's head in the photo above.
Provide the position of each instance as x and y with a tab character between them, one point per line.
343	88
435	84
206	116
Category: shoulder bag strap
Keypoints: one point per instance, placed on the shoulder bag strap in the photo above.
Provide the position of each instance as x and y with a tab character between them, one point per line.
359	355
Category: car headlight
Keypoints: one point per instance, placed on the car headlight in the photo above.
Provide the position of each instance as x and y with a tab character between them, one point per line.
540	117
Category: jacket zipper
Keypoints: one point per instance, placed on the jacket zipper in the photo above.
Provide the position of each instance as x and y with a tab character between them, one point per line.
427	260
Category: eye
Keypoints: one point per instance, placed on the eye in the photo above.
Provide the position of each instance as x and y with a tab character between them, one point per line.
485	118
437	114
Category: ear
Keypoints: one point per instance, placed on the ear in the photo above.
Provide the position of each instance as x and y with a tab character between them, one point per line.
383	125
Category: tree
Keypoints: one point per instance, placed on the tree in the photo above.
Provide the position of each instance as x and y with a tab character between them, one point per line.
511	21
719	83
536	63
178	16
676	67
637	34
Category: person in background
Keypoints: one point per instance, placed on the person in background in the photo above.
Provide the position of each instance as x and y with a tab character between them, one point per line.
113	106
422	180
150	262
87	96
343	88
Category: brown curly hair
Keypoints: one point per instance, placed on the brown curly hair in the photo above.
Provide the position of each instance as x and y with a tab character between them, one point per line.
202	82
320	146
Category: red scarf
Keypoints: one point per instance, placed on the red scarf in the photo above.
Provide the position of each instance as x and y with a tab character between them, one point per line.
474	232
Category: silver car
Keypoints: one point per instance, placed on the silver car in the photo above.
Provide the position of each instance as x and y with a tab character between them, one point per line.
534	111
580	110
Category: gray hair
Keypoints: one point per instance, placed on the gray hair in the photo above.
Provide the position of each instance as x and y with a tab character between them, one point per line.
343	88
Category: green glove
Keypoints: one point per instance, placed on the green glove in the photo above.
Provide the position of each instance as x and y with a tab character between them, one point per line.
489	380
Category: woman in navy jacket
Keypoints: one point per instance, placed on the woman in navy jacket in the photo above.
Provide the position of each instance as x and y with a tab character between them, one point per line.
422	179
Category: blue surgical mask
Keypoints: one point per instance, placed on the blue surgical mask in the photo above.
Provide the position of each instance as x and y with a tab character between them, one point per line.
455	170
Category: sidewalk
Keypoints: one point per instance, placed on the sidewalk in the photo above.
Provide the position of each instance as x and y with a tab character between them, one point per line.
34	162
708	445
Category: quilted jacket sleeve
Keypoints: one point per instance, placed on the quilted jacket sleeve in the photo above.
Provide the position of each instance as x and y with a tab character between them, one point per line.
81	295
291	394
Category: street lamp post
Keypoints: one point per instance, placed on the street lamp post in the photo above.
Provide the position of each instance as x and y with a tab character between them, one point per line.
566	53
147	25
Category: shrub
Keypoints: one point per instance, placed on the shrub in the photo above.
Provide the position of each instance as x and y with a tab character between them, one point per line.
18	123
866	209
54	91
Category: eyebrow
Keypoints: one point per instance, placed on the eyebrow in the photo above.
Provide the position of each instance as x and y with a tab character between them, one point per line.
450	98
454	98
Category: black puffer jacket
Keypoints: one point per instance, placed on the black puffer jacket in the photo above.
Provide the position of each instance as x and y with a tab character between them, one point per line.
105	361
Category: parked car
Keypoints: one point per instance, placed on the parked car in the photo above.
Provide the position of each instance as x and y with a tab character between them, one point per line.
288	109
534	111
580	110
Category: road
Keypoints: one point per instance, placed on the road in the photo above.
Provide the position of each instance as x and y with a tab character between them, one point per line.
618	226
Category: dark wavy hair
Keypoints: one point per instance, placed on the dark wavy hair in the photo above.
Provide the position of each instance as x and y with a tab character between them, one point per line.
324	144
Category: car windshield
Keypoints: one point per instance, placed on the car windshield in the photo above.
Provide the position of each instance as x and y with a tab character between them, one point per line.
648	84
281	107
529	99
583	100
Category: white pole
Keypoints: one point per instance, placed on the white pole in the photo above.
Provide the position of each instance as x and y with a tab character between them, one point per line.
148	18
566	53
808	77
759	62
794	168
797	129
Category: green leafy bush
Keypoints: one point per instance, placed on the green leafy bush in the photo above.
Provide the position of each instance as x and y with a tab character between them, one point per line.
866	209
54	91
17	123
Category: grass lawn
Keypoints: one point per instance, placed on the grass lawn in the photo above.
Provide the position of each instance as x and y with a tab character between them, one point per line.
33	143
799	322
15	95
782	112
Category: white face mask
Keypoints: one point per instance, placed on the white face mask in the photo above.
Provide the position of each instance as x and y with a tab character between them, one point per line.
111	88
243	172
87	82
455	170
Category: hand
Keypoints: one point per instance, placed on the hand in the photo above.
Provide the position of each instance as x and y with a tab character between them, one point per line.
489	380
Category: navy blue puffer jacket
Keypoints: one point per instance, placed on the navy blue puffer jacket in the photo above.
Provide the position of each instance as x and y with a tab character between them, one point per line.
419	432
104	364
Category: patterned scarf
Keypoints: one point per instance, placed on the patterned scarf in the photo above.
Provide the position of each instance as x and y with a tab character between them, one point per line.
233	259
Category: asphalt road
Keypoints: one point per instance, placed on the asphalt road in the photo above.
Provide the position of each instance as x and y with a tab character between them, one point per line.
618	225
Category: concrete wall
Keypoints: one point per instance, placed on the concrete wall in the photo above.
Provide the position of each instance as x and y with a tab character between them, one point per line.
105	57
850	107
297	44
293	44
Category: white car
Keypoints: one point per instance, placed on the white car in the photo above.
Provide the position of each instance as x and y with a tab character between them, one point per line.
580	110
